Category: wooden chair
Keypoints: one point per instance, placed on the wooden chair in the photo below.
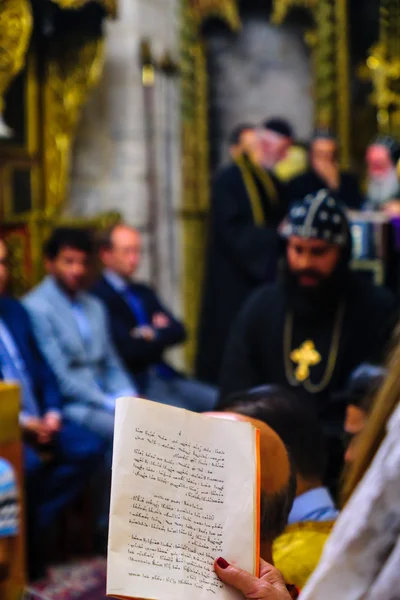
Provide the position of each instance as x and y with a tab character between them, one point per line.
11	450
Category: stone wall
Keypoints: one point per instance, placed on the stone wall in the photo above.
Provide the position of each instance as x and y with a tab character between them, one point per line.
109	169
260	72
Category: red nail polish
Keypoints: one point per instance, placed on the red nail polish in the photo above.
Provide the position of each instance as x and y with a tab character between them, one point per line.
221	562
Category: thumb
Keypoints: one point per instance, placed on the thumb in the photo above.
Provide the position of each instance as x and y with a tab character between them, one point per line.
240	580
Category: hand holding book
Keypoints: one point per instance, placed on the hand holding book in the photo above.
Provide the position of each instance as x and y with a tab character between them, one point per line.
185	490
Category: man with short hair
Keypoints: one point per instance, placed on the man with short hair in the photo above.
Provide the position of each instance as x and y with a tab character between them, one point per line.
297	550
142	328
71	329
276	139
383	191
278	479
248	203
324	173
314	327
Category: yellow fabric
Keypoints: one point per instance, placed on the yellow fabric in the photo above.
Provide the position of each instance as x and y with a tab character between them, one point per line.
295	163
297	551
249	171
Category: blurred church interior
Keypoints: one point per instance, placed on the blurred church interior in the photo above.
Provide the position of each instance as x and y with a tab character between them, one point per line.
121	110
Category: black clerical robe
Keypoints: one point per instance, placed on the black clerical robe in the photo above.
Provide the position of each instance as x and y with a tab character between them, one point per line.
258	351
349	191
241	255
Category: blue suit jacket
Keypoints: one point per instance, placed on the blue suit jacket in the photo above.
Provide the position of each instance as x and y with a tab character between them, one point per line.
88	375
43	381
138	354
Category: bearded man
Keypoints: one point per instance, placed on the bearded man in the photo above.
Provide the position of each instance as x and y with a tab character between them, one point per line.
383	192
311	330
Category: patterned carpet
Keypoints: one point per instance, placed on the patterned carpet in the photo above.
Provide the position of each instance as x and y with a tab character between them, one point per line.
83	580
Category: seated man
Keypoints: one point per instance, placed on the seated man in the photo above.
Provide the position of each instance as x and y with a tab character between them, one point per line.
324	172
142	328
9	516
296	552
383	191
59	454
71	330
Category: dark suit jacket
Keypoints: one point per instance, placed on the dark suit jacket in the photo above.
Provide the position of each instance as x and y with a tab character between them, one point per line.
43	381
138	354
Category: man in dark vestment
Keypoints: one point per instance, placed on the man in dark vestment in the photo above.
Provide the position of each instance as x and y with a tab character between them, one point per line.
324	173
247	205
311	330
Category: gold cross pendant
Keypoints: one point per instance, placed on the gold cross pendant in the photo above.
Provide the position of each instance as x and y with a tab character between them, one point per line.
305	357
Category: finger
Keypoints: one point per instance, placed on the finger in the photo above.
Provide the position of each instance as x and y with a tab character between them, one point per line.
270	573
242	581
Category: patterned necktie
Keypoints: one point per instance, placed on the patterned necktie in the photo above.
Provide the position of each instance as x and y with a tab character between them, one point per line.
10	371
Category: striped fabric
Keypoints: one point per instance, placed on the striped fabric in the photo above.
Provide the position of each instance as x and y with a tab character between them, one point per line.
8	501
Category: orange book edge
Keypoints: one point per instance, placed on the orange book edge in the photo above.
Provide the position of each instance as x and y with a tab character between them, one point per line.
256	520
258	504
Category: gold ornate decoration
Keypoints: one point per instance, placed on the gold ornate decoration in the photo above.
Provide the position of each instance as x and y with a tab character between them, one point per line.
307	356
71	73
343	80
325	65
15	33
109	5
384	66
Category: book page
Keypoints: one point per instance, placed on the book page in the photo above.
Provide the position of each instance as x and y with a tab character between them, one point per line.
184	492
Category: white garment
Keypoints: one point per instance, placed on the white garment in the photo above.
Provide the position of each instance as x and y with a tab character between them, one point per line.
361	560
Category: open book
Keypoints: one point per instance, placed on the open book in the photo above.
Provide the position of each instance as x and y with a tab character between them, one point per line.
185	490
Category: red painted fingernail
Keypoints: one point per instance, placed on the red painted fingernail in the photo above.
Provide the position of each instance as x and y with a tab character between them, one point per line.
221	562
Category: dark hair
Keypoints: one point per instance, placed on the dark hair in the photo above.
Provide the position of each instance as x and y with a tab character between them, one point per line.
236	133
275	508
68	237
363	385
323	134
280	126
294	422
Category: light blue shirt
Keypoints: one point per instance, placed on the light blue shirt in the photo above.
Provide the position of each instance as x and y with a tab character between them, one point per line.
315	505
82	321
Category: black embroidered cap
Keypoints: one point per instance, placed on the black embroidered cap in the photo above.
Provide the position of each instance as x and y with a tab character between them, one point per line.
318	216
390	144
